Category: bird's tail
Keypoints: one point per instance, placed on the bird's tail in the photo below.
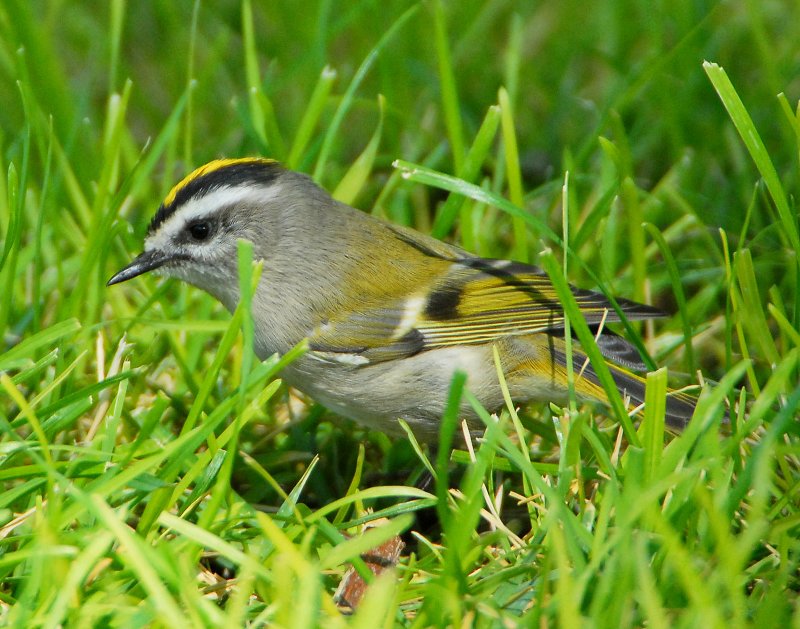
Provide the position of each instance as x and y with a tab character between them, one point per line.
679	406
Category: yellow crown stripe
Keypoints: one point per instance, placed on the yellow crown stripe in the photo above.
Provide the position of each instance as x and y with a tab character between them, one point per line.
210	168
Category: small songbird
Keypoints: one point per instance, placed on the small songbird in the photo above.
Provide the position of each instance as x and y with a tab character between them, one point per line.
389	314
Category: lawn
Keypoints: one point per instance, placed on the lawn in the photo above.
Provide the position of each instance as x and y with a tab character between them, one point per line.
155	473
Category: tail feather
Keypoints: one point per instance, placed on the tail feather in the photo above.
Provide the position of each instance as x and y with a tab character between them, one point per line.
679	406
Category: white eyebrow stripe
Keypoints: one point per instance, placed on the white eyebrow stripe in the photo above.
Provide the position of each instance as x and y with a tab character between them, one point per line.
207	205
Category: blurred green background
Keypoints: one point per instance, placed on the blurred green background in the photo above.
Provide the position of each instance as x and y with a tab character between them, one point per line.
579	67
104	105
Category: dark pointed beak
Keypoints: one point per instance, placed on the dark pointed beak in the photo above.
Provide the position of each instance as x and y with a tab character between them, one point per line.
143	263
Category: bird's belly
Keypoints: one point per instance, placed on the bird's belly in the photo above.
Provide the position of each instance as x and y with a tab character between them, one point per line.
414	389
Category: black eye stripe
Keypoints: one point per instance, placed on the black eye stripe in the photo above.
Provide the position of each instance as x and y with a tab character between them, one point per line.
239	172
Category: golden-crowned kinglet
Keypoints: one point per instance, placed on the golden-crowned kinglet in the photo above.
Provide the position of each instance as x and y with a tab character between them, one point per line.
390	314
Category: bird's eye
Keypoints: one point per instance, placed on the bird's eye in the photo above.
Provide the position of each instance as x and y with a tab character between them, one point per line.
200	231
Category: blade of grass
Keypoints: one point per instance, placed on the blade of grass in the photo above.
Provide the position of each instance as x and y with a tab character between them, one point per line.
755	146
677	290
513	174
262	112
357	175
311	116
24	351
366	541
190	84
449	91
586	339
473	162
349	95
143	560
751	312
652	426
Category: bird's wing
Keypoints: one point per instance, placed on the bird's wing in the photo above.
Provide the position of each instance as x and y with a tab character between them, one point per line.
474	301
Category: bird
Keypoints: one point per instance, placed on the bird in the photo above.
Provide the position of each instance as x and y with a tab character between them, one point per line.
389	314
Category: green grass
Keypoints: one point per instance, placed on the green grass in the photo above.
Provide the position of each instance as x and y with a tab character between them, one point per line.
155	474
